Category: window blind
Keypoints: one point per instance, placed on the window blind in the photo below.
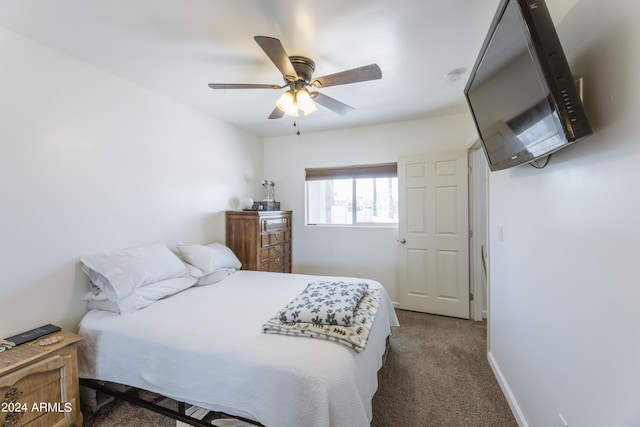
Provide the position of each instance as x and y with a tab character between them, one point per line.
380	170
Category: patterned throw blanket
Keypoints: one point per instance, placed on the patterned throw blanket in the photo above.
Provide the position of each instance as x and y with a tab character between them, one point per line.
354	336
332	303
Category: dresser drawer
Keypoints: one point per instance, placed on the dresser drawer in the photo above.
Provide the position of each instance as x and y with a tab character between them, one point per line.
275	238
278	264
274	224
275	251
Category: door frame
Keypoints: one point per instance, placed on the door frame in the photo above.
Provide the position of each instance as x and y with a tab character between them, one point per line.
478	235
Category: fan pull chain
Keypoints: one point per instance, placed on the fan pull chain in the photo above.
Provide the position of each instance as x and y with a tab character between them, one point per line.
294	125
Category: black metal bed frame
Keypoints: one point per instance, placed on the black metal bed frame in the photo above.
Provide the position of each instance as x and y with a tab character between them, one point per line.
179	415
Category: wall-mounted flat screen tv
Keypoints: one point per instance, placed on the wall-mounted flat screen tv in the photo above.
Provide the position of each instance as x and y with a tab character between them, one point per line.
522	95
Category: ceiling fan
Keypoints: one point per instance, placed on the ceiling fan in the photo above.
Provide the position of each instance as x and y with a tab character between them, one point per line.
297	72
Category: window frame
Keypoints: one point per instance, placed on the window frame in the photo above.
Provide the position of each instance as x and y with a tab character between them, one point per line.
354	172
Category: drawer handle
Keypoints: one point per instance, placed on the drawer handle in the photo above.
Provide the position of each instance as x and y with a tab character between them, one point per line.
278	234
12	395
12	419
276	248
277	260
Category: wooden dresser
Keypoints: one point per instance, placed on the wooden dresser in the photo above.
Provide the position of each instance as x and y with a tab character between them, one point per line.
39	385
261	239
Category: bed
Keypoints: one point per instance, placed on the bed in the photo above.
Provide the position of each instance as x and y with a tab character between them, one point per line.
205	345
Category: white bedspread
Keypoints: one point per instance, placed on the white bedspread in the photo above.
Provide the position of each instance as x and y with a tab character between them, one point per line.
205	346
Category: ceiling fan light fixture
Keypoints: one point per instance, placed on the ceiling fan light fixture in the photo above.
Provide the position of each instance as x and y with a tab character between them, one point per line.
305	103
287	104
291	103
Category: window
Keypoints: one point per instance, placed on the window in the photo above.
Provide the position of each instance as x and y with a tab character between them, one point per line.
353	195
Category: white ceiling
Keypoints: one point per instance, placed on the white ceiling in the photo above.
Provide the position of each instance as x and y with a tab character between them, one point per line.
176	47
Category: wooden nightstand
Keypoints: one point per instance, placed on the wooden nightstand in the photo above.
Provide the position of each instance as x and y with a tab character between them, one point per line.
39	385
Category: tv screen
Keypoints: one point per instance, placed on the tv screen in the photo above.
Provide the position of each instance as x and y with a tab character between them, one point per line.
521	92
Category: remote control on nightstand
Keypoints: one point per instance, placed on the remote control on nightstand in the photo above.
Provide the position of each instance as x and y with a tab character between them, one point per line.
32	335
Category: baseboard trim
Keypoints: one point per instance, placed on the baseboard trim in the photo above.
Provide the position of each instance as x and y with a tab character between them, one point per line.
506	390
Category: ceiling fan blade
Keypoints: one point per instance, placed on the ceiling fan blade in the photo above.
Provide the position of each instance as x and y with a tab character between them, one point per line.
360	74
242	86
276	113
331	103
275	51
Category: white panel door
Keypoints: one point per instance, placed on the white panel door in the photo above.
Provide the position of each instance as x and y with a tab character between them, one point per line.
434	233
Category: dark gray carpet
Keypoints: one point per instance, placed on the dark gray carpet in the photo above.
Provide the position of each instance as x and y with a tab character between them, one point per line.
436	375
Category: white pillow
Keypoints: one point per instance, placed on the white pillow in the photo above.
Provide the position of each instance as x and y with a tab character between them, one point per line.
94	294
118	274
209	258
143	296
203	278
193	270
215	277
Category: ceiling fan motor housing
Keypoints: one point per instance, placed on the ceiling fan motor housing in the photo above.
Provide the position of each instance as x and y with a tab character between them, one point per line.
303	66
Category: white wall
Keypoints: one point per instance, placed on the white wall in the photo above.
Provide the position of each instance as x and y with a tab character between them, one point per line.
349	251
564	288
89	163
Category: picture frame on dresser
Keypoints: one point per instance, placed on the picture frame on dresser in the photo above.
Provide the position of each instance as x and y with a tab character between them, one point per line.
262	240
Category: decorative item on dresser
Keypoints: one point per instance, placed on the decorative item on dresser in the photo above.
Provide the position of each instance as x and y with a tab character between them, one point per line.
261	239
39	383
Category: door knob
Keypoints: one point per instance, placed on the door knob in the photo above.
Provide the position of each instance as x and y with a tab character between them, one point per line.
403	241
